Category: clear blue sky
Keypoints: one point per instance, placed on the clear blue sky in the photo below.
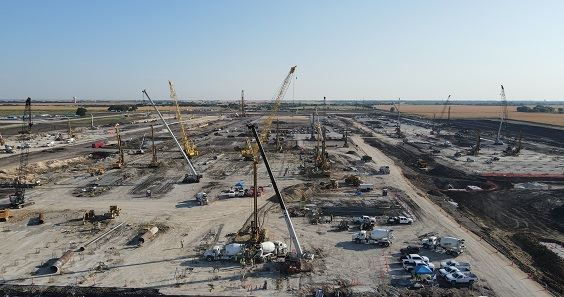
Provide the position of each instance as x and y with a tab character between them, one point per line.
343	49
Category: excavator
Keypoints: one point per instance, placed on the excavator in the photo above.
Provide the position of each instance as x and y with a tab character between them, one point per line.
189	148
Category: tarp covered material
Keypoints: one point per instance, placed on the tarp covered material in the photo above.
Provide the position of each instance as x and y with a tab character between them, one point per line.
422	269
240	184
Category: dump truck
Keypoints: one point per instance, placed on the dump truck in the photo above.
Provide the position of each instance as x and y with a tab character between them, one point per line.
381	237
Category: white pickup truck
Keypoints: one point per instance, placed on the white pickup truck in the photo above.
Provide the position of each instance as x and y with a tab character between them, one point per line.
453	263
399	220
364	220
459	278
444	271
411	260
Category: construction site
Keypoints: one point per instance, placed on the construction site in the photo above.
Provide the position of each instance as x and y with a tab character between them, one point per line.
263	199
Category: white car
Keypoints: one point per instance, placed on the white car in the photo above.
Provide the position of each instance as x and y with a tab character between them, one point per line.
415	257
409	265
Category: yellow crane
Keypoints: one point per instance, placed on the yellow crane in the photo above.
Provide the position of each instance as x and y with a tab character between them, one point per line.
189	148
251	152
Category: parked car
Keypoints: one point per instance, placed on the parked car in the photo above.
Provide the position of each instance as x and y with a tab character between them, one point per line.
454	263
410	249
448	270
458	278
400	220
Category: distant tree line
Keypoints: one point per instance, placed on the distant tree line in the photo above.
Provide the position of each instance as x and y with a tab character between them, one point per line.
540	108
122	108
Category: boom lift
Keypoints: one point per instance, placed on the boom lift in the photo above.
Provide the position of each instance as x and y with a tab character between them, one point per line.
18	200
189	147
192	176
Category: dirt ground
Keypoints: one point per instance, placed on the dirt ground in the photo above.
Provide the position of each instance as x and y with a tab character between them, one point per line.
479	112
172	261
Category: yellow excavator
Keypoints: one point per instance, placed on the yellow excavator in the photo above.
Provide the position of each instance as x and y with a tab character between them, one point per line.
250	152
189	148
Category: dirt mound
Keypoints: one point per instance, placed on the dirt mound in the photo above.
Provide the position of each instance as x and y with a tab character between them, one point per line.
543	257
299	192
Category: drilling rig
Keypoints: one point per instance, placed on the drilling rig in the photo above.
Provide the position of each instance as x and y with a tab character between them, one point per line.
121	159
192	176
502	116
154	161
189	148
437	127
298	262
243	112
18	199
247	152
250	152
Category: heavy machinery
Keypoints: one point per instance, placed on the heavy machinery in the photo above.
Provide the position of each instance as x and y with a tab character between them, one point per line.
298	262
154	162
437	127
267	124
192	176
243	112
475	149
513	150
140	150
121	159
189	147
18	199
399	133
502	116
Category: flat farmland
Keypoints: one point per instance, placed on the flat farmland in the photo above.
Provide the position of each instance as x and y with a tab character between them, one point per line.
479	112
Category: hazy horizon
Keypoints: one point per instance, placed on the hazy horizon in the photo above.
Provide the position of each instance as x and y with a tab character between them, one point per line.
343	50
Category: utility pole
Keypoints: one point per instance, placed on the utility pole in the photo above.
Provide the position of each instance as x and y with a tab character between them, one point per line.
243	114
92	122
325	104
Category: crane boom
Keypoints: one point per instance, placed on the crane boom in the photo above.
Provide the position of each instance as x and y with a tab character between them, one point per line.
192	176
266	125
291	230
189	147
